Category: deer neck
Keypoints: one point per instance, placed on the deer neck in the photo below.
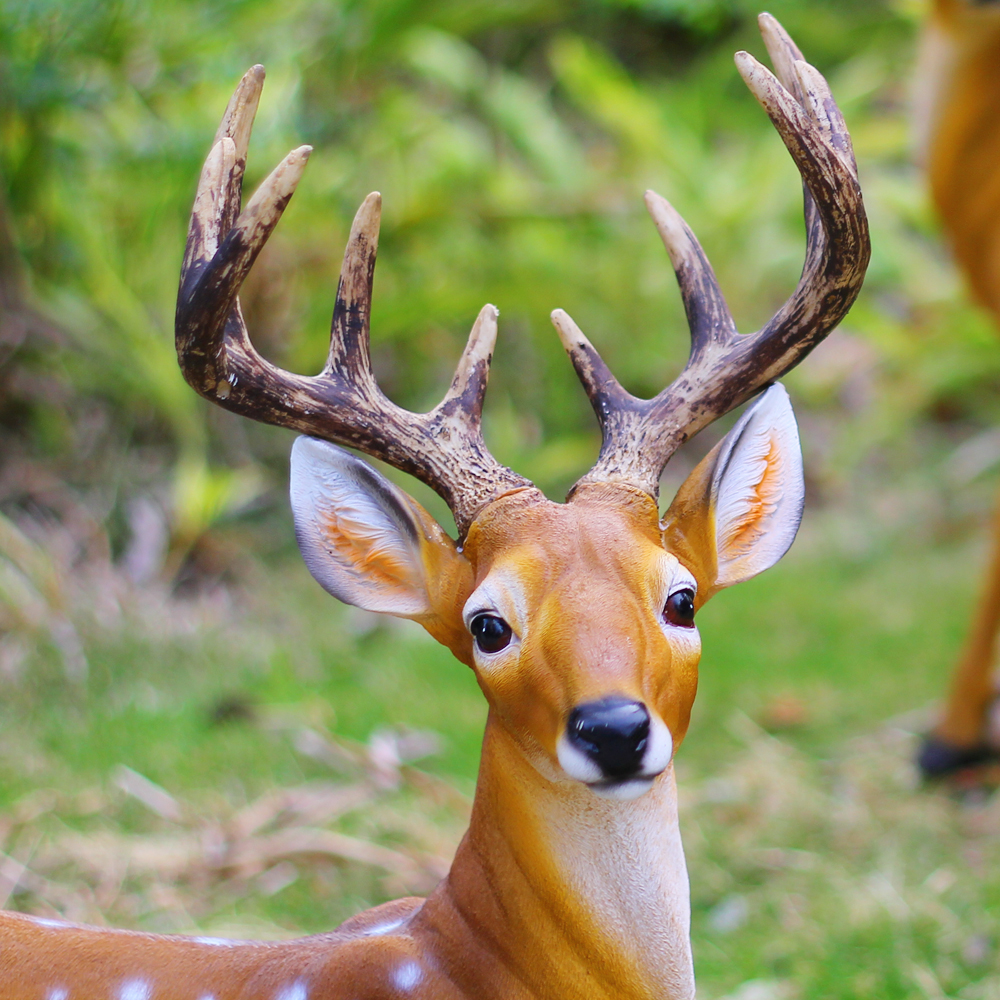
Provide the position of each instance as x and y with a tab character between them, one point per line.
563	893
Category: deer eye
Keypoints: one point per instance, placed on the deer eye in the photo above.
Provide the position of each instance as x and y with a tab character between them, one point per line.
490	632
679	609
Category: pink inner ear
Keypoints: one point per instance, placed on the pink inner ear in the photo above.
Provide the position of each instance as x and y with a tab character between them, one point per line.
375	554
356	530
749	516
757	490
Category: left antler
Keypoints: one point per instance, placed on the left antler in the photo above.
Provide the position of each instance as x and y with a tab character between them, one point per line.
725	368
343	404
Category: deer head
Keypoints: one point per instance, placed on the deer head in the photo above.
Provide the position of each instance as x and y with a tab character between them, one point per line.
578	618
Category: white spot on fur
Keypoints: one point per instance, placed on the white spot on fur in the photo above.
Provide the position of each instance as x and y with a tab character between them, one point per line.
53	924
135	989
216	942
294	991
57	993
407	977
387	928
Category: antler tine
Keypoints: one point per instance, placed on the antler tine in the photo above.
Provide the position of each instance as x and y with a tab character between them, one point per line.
236	125
465	396
837	241
724	368
808	87
237	121
218	266
806	84
603	390
784	53
708	315
343	404
350	352
209	203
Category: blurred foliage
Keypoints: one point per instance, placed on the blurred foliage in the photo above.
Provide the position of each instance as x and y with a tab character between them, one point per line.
512	142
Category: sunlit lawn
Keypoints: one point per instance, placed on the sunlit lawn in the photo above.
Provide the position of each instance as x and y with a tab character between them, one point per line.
818	867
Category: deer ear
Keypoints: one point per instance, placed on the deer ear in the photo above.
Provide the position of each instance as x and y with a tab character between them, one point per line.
368	543
739	510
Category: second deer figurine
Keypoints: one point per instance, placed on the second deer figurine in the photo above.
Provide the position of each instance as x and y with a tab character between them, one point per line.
577	618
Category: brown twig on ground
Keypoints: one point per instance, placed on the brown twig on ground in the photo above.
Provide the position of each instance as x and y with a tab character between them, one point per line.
195	859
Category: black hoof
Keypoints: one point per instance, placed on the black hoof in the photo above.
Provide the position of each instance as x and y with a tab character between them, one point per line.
938	759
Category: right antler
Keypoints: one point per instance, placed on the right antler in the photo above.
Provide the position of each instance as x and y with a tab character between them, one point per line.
343	404
725	368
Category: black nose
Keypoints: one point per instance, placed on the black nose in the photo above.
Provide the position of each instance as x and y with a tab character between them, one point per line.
613	733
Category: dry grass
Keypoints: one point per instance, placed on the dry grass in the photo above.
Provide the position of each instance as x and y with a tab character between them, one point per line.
80	857
841	877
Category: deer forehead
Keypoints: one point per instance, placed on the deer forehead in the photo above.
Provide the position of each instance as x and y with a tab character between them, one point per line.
595	557
602	524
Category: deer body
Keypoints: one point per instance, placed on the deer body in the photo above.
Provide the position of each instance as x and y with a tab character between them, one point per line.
958	110
577	618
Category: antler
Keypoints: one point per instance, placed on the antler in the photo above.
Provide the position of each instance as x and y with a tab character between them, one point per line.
343	404
724	367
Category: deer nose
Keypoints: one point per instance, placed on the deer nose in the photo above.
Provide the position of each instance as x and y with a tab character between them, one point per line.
613	733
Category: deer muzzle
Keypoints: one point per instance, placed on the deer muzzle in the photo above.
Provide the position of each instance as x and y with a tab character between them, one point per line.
615	746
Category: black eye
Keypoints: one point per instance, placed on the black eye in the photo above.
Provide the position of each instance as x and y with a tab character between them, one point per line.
491	633
680	609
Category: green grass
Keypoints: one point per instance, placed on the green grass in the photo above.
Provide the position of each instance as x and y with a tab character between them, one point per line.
814	840
149	701
855	638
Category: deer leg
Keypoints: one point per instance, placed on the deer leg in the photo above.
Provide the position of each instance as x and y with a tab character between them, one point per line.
959	739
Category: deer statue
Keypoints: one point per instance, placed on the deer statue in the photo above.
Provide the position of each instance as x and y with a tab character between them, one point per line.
958	118
578	618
